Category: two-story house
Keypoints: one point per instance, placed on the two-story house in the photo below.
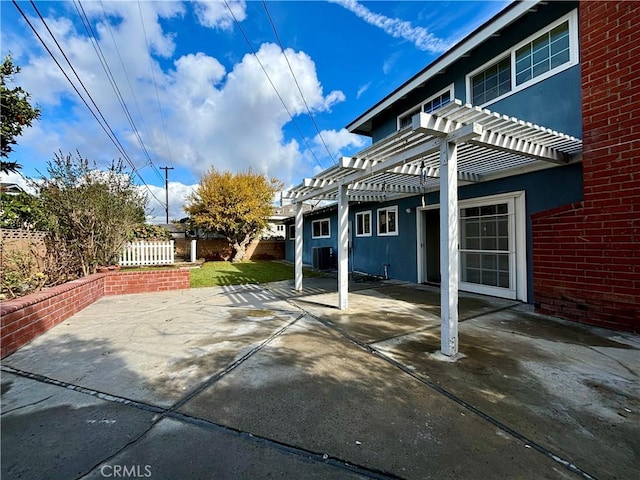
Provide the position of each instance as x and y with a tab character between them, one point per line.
471	162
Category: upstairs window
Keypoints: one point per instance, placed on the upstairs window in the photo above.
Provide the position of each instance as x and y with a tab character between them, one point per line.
540	56
432	104
491	82
405	120
437	102
548	51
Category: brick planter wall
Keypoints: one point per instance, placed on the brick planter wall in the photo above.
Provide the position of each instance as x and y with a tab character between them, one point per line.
24	319
586	256
118	283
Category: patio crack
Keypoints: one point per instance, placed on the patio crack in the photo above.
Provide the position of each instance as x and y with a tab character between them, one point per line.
218	375
27	405
451	396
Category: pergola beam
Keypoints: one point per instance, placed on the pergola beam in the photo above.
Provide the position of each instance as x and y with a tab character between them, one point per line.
433	172
519	146
408	155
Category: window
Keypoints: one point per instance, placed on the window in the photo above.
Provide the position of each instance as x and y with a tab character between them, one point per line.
388	221
485	253
292	232
280	228
548	51
437	102
545	53
432	104
363	224
320	228
406	119
492	82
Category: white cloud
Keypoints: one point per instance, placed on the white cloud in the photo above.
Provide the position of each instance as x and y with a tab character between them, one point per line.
339	140
231	119
215	14
363	89
178	194
18	179
419	36
237	120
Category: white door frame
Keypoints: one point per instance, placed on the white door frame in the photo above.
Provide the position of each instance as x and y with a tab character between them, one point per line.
518	235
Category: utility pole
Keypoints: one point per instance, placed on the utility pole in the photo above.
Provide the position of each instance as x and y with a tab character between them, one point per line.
166	190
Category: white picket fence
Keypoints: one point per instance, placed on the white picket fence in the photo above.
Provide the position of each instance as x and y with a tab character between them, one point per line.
147	253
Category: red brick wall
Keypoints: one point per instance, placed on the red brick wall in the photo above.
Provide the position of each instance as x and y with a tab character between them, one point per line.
265	250
586	256
26	318
219	249
117	283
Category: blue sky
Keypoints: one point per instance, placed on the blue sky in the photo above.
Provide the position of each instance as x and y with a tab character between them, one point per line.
192	77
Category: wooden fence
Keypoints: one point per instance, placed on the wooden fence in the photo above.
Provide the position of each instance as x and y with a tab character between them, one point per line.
147	253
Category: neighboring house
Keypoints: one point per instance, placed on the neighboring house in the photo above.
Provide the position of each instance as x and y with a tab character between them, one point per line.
477	178
276	222
10	188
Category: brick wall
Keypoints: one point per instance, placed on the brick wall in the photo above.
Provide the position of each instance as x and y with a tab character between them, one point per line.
265	250
24	319
586	256
118	283
220	249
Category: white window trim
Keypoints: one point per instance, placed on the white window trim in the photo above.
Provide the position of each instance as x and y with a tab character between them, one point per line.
370	213
292	232
320	220
517	244
574	55
387	209
419	107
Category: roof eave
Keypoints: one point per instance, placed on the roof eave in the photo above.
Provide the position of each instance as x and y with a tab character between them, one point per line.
506	16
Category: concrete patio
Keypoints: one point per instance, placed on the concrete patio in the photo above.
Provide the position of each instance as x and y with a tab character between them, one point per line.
265	382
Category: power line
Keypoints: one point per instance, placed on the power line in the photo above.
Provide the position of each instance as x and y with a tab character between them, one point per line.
272	85
155	84
124	70
313	120
105	66
107	129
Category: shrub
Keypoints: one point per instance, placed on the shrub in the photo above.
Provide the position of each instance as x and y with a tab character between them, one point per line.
91	214
20	274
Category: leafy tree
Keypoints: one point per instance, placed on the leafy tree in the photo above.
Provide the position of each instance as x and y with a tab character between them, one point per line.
15	114
146	231
234	205
91	215
21	211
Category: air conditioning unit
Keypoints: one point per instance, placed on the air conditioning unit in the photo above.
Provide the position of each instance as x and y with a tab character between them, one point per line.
324	258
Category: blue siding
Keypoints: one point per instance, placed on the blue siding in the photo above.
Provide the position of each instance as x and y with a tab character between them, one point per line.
554	102
369	254
544	190
310	243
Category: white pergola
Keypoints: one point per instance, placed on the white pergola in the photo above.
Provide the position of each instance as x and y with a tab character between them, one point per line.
455	145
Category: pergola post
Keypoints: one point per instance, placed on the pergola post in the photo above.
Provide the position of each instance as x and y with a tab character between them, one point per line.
343	248
298	247
449	256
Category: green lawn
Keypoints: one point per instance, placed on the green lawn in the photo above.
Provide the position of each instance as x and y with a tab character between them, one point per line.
212	274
